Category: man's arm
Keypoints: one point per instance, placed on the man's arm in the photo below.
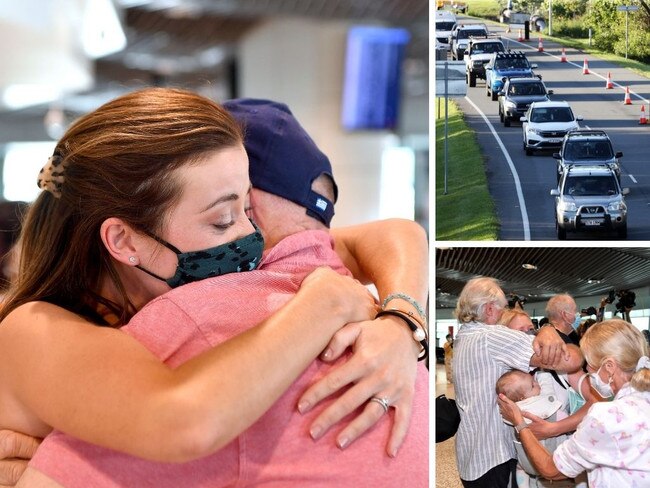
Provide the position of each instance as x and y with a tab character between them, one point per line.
568	362
549	349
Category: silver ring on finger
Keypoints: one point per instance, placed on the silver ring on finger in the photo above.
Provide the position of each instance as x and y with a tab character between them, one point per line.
382	401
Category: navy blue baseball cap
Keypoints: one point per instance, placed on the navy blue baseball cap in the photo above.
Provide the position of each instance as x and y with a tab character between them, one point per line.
283	159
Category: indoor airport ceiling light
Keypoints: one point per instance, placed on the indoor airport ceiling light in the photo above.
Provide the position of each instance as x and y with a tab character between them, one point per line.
528	266
53	44
101	30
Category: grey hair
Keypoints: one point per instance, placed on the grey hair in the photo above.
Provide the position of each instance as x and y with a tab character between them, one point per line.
476	294
558	304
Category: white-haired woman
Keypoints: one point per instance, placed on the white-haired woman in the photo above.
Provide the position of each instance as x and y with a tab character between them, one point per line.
612	443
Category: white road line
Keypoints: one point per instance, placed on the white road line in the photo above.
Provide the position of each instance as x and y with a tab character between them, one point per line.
632	178
591	72
515	176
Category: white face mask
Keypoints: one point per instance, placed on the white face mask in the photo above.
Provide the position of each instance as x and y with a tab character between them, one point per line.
603	389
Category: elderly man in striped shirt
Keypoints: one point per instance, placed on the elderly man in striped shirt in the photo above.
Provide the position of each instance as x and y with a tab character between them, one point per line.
483	351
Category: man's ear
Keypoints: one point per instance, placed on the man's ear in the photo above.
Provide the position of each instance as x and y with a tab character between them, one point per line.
120	240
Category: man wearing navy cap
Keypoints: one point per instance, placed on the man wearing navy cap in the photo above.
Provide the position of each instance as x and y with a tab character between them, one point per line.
292	200
283	159
285	166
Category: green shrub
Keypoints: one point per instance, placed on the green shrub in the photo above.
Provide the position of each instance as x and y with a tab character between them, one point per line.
574	28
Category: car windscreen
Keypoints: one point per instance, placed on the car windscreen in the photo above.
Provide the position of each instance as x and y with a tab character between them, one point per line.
590	186
592	150
511	63
467	33
493	47
551	114
444	26
526	89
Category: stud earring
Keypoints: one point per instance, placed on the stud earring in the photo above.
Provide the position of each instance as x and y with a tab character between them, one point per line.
133	259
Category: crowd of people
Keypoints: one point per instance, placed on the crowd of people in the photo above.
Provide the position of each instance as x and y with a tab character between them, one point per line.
158	293
566	403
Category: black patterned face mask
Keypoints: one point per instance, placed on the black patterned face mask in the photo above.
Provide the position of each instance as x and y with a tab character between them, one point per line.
243	254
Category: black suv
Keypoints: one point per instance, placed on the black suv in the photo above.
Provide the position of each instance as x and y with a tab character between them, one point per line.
587	147
517	95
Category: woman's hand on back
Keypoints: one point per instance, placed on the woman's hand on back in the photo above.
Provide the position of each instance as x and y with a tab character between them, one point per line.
383	365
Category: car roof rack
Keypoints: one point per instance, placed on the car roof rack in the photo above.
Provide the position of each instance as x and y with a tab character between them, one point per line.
511	55
588	132
588	167
491	36
523	76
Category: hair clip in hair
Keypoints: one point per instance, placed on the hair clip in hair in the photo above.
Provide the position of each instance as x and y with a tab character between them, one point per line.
51	176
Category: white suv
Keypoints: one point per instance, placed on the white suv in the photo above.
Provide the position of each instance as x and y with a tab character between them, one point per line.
545	124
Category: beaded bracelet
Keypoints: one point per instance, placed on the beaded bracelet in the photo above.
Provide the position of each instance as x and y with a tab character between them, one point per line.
419	333
406	298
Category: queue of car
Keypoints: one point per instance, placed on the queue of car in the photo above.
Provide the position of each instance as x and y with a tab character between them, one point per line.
588	194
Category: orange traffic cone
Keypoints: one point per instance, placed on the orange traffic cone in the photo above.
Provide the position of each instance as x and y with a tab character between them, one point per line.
642	118
540	46
508	29
627	100
521	37
609	85
563	58
585	68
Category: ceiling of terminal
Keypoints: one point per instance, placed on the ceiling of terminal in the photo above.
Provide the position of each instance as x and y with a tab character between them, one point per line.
186	42
537	273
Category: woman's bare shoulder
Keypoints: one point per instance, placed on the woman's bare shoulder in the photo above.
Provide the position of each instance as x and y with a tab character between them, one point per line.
38	321
39	312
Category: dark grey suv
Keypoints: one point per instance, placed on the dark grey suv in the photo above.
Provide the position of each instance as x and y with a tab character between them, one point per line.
517	95
587	147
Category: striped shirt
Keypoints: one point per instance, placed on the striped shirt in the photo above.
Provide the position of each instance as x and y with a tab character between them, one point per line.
482	353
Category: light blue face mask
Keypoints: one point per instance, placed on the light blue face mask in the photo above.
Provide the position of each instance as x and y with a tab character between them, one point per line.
575	401
576	322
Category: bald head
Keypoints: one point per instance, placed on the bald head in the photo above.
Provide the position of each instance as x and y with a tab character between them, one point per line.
561	310
278	217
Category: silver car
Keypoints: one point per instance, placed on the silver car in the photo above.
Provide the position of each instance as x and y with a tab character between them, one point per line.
590	198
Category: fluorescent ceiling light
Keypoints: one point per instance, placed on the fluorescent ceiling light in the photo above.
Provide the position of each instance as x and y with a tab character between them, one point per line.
101	31
528	266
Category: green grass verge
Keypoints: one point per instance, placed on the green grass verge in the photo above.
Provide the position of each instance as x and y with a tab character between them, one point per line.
487	9
466	212
583	45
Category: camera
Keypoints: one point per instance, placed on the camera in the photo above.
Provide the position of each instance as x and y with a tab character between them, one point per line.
514	300
626	300
610	297
589	311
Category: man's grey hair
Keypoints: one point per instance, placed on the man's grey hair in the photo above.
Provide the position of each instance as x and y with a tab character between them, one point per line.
476	294
558	304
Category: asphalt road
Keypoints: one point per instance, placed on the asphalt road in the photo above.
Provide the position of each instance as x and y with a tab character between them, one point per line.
520	184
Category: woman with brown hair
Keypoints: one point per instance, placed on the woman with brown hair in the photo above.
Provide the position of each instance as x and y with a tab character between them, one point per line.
151	170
